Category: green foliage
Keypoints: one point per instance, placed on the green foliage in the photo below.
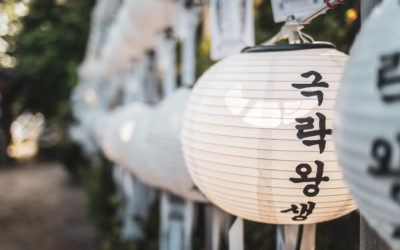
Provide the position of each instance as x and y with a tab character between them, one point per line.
102	202
48	51
70	154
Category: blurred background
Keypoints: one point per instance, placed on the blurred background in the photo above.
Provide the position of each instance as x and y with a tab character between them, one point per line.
52	197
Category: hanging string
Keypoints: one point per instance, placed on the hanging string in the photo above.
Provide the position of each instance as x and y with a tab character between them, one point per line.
334	3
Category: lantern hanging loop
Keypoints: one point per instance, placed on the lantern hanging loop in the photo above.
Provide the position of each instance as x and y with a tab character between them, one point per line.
292	29
330	4
291	32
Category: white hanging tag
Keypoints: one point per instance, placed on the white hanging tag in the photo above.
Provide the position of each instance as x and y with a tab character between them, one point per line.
308	237
217	227
232	27
131	87
164	221
236	235
117	177
141	74
280	237
166	59
137	201
286	10
181	21
291	233
189	47
143	198
148	80
293	237
176	223
214	219
208	228
189	216
130	229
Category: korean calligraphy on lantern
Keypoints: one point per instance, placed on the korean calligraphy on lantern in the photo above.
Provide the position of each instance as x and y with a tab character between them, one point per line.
389	76
382	153
311	131
382	149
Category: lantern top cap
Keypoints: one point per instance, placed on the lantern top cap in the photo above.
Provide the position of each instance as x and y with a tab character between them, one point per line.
287	47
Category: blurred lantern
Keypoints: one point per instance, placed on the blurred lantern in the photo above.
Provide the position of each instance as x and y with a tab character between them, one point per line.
368	121
166	165
135	31
116	133
257	135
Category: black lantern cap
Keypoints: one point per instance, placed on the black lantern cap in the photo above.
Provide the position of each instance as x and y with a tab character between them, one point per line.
287	47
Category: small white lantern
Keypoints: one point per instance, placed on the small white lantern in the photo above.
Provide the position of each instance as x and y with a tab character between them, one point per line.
135	31
117	131
164	154
257	135
368	121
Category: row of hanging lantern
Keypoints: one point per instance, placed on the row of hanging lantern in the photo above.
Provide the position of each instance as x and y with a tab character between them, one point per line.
256	136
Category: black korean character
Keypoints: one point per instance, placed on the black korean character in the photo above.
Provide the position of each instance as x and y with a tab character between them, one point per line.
395	192
396	232
304	170
389	75
303	213
308	124
316	83
381	151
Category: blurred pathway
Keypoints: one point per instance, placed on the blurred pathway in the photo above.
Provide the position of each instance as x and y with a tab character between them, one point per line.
41	210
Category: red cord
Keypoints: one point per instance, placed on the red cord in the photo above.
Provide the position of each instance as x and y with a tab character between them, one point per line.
334	3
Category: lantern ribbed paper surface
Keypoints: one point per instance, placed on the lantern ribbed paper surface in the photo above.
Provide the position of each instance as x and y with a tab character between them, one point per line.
118	133
257	135
135	31
164	153
368	121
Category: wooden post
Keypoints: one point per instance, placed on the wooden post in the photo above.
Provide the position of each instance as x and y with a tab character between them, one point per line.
369	239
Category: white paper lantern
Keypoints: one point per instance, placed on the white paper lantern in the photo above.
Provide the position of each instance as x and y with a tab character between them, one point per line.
166	165
368	121
135	31
117	131
259	120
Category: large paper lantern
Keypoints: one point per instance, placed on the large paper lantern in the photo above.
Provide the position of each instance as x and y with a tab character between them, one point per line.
257	135
368	121
165	160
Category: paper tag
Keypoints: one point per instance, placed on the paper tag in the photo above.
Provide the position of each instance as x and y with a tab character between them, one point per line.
308	240
166	62
236	235
176	222
298	9
292	237
188	75
232	27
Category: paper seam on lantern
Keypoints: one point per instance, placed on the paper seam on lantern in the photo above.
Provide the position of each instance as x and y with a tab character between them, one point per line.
242	167
197	148
255	158
249	199
244	137
265	186
244	183
261	148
